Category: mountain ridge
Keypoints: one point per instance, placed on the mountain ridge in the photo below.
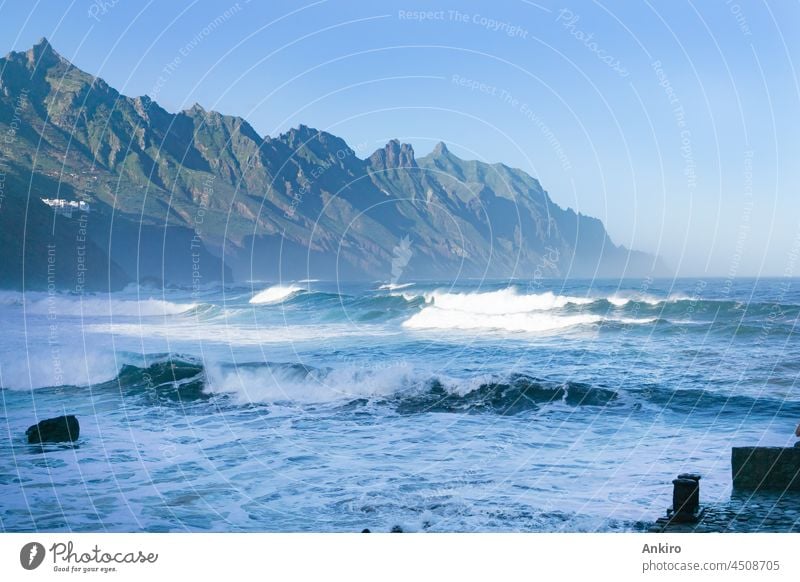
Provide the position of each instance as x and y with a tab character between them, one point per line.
301	204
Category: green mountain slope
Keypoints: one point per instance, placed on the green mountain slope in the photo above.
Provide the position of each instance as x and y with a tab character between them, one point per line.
197	196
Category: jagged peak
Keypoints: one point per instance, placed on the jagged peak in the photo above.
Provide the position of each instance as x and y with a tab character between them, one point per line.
210	115
42	45
306	132
43	51
210	118
145	106
440	149
441	155
394	155
303	134
302	131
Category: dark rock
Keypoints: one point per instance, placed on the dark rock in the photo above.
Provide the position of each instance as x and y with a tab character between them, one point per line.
61	429
171	379
766	468
365	530
396	529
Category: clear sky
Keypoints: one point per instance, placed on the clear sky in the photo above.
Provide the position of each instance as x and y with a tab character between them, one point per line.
677	123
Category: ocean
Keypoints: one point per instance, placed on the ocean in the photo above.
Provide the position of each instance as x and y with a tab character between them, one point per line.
474	406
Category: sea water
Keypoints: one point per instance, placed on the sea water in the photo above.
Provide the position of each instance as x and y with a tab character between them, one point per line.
326	406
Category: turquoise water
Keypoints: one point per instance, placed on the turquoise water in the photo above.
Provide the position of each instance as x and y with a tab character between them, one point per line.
321	406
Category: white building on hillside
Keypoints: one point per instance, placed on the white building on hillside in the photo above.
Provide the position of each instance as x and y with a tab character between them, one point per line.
66	207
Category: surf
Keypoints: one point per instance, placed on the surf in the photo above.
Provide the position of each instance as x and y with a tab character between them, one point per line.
276	294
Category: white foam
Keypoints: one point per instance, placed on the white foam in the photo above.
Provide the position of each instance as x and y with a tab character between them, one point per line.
406	296
503	302
649	299
622	300
504	309
632	320
11	298
507	310
436	318
675	297
281	383
276	294
618	301
61	365
394	286
286	384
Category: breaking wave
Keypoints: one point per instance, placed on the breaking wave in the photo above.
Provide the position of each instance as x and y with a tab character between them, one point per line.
508	310
436	318
394	286
502	302
407	390
178	378
276	294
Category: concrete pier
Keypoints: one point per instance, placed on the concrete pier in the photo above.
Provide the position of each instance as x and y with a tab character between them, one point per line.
743	513
765	468
765	496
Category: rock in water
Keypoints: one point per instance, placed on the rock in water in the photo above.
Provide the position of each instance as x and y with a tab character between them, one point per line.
54	430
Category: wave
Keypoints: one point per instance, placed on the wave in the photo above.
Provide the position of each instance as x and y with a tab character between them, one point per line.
61	364
301	384
407	389
436	318
518	393
509	300
678	302
624	299
636	320
502	302
408	297
507	310
276	294
511	311
168	377
93	305
394	286
119	307
716	404
382	307
11	298
618	301
410	391
401	386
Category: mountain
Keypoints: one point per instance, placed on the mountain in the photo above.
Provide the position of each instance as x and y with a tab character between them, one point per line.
197	196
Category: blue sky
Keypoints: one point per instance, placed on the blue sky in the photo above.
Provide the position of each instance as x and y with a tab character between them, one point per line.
676	123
